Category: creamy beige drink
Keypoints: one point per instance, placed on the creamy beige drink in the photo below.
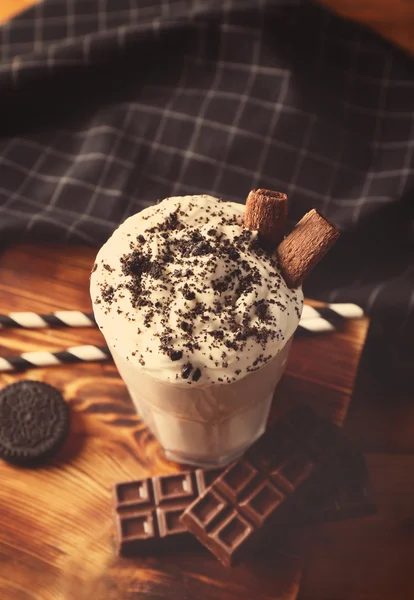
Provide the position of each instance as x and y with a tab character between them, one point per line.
199	321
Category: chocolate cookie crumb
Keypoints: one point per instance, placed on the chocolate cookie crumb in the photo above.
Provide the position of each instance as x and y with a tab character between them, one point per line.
107	294
262	310
196	375
186	327
186	370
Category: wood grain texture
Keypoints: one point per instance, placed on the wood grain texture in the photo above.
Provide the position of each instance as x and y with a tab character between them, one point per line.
55	522
392	19
10	8
369	559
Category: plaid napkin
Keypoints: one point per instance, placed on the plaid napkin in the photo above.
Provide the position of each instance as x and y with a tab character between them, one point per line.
107	105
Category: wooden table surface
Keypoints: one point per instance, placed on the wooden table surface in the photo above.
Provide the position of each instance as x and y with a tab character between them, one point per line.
55	528
55	522
393	19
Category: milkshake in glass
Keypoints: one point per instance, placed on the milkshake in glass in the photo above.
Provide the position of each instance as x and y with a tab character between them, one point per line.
199	321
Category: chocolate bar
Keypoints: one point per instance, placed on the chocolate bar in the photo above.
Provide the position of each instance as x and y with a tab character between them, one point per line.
149	509
334	502
330	499
266	485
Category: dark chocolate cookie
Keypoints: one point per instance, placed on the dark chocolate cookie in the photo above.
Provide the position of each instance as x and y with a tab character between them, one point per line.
34	422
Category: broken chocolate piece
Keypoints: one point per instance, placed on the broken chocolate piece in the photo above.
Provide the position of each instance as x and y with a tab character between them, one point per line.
305	246
147	510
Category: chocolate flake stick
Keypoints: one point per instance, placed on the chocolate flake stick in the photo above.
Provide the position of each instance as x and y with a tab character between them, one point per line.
305	246
266	212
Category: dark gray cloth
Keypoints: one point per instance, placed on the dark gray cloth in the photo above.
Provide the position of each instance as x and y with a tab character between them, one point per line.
107	105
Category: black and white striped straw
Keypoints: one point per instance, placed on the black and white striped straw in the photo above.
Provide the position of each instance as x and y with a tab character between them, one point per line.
76	354
341	310
328	317
313	320
60	318
334	314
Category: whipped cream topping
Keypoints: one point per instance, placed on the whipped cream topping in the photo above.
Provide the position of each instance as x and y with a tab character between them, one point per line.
186	294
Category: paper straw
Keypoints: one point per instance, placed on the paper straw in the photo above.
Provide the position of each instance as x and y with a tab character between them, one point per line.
60	318
314	320
329	311
76	354
75	318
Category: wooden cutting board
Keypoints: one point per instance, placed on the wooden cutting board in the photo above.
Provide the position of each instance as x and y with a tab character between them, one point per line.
55	522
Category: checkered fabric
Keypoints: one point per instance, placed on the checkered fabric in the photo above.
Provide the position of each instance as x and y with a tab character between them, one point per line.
107	105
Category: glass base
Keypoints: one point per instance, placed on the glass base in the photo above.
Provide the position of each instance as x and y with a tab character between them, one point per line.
214	461
201	462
